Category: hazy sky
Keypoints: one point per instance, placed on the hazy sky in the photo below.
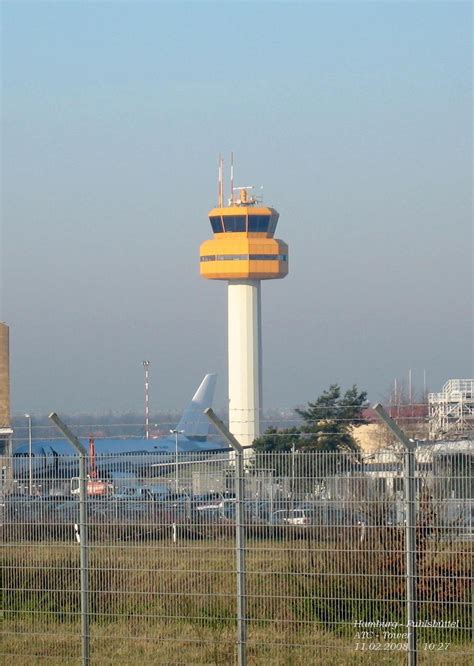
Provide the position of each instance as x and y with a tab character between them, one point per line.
356	117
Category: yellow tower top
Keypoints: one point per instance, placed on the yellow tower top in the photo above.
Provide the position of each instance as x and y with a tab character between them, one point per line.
243	246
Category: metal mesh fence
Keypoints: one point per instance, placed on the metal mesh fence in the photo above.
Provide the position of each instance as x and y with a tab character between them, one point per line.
324	538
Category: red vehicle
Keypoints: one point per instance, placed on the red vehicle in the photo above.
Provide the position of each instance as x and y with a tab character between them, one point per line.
95	486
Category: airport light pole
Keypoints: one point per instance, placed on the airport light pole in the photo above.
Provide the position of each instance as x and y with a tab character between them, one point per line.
176	478
30	455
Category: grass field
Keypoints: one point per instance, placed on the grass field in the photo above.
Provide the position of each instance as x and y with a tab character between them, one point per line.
171	603
125	643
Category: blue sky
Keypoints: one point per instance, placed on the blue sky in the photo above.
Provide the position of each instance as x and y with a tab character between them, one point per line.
356	118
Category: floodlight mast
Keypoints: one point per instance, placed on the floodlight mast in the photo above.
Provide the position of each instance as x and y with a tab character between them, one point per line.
146	366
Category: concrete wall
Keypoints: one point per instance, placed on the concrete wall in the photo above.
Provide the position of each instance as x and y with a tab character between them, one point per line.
4	376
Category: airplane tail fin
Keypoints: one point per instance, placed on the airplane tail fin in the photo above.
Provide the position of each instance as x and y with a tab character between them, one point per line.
193	422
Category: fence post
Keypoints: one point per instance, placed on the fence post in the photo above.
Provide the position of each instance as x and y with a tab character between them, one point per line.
410	528
410	551
83	536
239	535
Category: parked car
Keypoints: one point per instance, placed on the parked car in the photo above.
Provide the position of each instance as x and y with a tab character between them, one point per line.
156	492
292	517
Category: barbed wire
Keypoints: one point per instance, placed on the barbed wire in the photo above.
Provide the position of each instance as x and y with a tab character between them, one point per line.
213	438
269	420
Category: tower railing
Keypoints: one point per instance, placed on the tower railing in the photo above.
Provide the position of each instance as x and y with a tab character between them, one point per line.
453	390
451	411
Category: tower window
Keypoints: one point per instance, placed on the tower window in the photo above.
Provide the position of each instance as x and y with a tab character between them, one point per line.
216	224
235	223
232	257
259	223
245	257
273	224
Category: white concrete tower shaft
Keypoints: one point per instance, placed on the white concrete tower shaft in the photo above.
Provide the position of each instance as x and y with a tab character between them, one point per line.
245	359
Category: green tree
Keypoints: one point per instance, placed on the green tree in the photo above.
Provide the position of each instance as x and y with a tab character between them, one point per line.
329	421
275	440
327	428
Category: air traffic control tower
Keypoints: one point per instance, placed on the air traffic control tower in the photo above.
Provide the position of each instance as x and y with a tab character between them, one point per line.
243	252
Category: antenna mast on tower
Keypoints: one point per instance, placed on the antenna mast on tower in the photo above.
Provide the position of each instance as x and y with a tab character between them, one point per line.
220	188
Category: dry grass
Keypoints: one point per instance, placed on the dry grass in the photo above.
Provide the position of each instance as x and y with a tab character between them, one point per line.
175	603
124	643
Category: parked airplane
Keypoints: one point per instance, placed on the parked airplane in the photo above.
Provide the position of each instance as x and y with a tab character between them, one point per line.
58	458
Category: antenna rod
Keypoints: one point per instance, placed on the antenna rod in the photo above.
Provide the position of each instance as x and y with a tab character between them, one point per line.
219	183
222	183
232	178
